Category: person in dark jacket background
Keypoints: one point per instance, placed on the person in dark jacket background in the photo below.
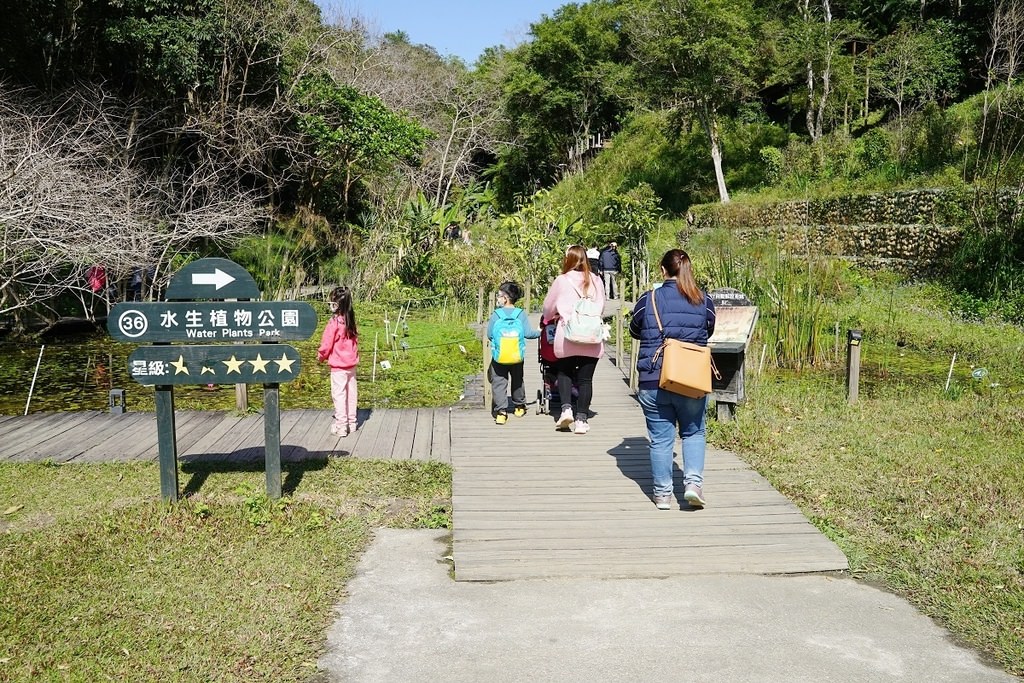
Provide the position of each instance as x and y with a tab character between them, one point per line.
611	264
687	314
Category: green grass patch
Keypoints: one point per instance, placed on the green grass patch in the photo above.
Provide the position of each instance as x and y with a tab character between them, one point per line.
103	582
921	487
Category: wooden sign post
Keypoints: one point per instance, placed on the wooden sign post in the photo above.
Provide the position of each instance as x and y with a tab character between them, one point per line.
197	312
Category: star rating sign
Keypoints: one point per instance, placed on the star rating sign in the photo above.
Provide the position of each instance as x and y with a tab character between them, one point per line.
234	365
179	366
259	365
285	363
202	364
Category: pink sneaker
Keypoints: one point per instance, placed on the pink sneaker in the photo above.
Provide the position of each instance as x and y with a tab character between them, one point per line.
694	496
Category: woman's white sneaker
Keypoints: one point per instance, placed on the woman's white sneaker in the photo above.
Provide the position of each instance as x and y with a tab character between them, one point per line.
582	427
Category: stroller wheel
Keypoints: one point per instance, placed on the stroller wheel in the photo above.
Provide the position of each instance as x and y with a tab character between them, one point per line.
540	402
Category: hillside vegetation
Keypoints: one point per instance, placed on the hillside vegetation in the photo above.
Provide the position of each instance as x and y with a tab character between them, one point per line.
141	135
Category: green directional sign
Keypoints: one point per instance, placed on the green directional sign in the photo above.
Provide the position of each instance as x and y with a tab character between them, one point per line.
211	321
231	364
212	278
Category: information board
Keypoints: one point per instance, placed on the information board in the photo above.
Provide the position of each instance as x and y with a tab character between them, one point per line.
735	317
211	321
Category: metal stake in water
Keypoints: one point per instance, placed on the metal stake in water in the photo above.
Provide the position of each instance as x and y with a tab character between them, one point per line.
34	375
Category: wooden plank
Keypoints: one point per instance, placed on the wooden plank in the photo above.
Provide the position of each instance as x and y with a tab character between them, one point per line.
440	442
654	531
208	442
383	444
249	446
73	443
306	430
191	431
645	514
26	427
49	428
288	419
129	432
313	434
405	434
687	564
424	434
368	432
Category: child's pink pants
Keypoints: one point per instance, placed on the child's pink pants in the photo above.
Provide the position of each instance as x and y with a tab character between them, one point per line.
343	393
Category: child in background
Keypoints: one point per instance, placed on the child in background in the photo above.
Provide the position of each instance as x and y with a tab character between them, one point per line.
339	348
508	329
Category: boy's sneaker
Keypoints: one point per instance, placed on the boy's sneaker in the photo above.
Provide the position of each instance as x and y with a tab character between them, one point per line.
663	502
565	421
694	496
519	411
500	419
582	427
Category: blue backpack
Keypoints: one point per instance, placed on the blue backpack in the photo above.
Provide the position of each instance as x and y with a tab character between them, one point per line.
508	337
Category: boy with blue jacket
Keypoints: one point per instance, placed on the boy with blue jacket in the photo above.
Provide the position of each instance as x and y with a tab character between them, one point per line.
508	329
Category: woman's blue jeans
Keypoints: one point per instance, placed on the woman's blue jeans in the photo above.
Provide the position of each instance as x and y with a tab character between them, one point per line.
665	412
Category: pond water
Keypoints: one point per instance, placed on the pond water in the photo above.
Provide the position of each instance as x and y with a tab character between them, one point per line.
77	372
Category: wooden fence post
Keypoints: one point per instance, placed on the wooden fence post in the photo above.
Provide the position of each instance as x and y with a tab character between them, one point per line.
853	338
619	341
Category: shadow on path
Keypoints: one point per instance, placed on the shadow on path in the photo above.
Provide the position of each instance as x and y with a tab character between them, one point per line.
298	462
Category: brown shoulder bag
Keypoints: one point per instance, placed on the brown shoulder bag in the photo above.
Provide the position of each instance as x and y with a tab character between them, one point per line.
685	368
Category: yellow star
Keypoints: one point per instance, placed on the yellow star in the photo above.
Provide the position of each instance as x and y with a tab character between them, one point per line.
179	366
285	364
233	364
259	365
207	370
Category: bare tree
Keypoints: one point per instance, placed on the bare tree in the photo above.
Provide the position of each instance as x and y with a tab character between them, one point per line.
73	194
461	109
1006	53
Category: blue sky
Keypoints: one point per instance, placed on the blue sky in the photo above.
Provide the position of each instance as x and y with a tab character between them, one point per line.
453	27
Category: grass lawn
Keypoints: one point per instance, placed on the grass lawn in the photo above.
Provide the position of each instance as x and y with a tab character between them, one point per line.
921	487
102	582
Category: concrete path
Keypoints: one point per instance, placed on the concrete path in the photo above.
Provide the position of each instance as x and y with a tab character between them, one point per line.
406	620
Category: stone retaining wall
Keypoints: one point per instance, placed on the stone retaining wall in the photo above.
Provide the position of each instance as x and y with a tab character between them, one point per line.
911	228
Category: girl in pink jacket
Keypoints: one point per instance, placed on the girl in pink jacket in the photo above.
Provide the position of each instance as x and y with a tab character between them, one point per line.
576	362
339	348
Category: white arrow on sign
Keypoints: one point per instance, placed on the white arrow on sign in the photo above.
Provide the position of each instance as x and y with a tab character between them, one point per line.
218	278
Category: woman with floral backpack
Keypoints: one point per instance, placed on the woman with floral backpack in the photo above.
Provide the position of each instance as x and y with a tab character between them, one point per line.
575	301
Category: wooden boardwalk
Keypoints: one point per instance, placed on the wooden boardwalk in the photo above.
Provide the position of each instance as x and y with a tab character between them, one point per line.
531	503
528	502
221	436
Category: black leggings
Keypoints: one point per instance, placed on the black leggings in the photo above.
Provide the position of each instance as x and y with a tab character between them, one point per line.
578	370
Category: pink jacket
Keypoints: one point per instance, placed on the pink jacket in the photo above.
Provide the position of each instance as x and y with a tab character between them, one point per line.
560	302
340	352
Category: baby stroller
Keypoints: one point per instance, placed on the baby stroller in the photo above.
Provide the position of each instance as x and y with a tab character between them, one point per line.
548	400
